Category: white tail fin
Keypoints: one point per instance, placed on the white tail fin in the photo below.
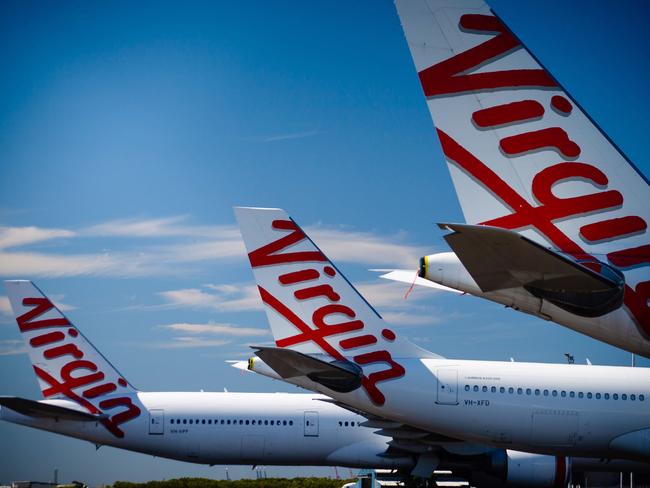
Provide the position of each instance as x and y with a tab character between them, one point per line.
66	364
521	152
312	308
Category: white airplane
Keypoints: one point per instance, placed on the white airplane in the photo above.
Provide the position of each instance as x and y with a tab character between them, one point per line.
87	398
556	215
329	339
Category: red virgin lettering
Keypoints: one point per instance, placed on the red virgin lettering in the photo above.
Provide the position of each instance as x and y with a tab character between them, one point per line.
268	255
613	228
59	351
628	258
132	411
447	78
41	305
48	338
299	276
508	113
551	138
541	217
317	291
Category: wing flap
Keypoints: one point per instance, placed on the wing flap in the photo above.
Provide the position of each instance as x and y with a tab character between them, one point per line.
33	408
340	376
498	259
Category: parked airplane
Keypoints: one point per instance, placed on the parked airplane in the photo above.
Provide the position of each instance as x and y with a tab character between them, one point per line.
87	398
330	340
556	215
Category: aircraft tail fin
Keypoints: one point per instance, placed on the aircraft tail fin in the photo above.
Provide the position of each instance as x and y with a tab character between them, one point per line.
311	307
522	153
66	364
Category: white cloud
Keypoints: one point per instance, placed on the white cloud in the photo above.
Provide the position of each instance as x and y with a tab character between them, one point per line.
191	342
216	329
367	248
179	244
32	264
12	347
21	236
224	298
160	227
5	306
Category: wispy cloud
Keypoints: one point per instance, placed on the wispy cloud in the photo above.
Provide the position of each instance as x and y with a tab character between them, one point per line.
157	227
216	329
223	298
289	136
12	347
191	342
178	244
5	306
366	247
21	236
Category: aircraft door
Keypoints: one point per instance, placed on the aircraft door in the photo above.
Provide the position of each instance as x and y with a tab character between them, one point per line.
156	422
311	424
447	386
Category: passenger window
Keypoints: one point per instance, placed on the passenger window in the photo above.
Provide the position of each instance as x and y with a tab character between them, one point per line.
493	389
247	422
606	396
191	421
266	422
641	398
632	397
554	393
537	392
502	390
346	424
253	422
284	422
484	389
572	394
203	421
589	395
171	421
290	422
519	391
475	387
466	387
580	394
241	422
528	391
597	396
545	392
615	396
511	390
563	393
623	396
228	422
184	421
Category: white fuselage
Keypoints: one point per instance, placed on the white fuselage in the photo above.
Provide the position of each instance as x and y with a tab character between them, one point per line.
593	411
235	428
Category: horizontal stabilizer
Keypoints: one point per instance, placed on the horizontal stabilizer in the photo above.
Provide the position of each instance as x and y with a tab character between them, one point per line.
407	276
499	258
340	376
32	408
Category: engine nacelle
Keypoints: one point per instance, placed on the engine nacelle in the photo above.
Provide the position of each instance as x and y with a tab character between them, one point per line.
446	269
531	470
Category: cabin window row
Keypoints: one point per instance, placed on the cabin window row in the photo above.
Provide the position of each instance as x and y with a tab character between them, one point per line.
562	393
350	423
230	422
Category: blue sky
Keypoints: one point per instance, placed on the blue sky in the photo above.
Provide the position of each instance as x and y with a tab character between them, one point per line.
129	130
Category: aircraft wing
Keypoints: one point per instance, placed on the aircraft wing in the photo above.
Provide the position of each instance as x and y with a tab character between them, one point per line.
522	153
406	276
33	408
